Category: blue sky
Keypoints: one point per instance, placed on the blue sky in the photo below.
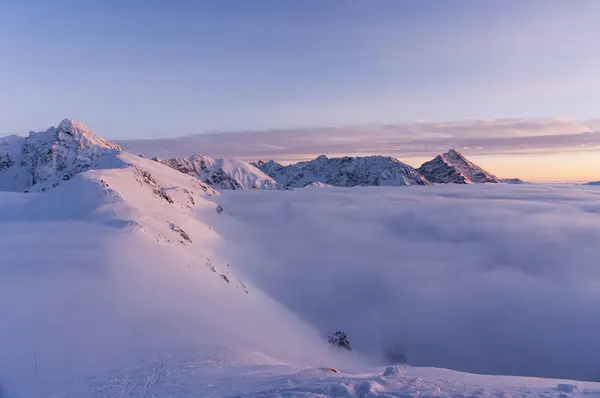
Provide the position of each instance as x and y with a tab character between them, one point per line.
133	69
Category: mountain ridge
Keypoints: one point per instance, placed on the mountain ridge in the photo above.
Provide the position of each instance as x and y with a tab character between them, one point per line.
222	173
375	170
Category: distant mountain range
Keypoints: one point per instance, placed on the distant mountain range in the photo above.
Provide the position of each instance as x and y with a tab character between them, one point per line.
344	172
447	168
45	159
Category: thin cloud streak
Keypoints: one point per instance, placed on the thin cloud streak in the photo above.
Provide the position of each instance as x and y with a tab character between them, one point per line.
410	140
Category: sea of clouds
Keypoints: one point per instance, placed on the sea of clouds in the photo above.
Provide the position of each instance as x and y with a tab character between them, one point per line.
490	279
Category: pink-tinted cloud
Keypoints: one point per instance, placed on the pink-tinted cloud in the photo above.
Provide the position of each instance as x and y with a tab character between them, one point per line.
410	140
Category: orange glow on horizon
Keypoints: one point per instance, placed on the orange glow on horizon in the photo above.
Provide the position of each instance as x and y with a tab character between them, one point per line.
555	167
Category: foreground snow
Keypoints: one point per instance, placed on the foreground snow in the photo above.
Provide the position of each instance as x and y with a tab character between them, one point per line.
218	378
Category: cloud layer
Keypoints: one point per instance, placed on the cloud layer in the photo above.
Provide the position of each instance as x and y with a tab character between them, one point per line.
486	279
414	140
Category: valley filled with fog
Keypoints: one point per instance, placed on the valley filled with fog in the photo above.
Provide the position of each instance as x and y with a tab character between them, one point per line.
487	278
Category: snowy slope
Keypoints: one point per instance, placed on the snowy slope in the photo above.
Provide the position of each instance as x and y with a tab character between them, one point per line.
453	167
118	267
592	183
222	173
344	172
47	158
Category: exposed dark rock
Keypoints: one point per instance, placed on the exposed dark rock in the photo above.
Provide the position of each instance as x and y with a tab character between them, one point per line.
180	231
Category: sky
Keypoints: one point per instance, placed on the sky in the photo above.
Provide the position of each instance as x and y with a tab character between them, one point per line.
164	69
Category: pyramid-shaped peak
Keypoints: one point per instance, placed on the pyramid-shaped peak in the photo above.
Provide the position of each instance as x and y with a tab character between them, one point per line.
453	153
70	126
47	158
81	133
453	167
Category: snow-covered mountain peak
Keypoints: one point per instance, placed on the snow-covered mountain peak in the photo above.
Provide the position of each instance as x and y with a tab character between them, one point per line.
71	124
453	156
70	133
79	132
45	158
453	167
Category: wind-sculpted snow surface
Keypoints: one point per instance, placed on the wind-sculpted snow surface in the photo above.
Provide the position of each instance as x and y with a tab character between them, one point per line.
492	278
